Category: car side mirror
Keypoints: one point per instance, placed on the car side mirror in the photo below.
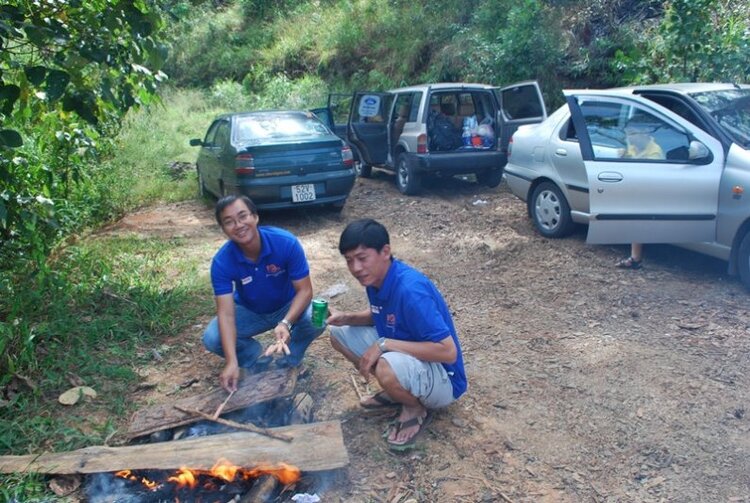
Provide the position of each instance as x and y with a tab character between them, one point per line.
195	142
698	151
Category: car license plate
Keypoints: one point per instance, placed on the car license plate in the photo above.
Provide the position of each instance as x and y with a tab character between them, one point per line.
303	193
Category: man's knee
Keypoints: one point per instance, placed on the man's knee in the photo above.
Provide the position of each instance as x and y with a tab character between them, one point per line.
385	374
336	334
211	337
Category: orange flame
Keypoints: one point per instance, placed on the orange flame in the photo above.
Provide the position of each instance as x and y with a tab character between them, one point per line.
224	470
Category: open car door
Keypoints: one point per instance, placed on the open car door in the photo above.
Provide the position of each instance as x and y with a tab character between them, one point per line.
368	126
653	177
520	103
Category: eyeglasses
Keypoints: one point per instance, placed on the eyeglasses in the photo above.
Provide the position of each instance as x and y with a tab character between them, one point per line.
242	218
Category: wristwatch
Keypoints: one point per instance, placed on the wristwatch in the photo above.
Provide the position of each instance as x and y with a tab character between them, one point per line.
381	345
287	324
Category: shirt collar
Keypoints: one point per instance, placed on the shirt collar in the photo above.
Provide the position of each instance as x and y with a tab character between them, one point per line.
388	283
265	249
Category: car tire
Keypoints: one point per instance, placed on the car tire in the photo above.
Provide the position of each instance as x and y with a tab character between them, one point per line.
491	178
338	206
550	211
743	260
407	179
362	170
202	190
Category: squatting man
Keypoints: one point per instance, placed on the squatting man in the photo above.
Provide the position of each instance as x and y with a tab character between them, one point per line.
261	281
406	339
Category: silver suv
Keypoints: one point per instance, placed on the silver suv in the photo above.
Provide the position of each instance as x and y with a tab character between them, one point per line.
442	129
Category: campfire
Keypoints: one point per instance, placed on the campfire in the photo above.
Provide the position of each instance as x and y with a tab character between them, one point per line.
208	448
224	482
224	471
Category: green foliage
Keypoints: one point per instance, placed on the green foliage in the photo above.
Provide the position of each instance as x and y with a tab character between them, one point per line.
103	307
68	71
704	40
211	45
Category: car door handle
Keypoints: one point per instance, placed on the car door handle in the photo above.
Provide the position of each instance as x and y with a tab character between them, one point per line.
609	177
561	152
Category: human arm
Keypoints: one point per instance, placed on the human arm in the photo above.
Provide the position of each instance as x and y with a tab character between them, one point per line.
225	314
356	318
444	351
302	297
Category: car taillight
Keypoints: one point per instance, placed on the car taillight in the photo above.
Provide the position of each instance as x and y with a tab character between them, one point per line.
422	144
510	146
347	156
244	164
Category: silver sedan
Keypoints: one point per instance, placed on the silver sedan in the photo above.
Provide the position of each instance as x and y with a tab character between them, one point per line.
651	164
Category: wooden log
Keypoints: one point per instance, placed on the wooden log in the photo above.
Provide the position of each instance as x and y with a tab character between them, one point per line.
252	389
316	447
262	490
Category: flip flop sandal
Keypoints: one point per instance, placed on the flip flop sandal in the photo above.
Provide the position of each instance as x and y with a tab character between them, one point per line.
411	442
382	401
629	263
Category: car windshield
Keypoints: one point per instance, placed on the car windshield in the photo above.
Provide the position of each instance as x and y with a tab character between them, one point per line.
277	126
731	109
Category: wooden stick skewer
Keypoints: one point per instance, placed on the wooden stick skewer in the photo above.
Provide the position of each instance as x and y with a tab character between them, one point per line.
356	388
221	407
239	426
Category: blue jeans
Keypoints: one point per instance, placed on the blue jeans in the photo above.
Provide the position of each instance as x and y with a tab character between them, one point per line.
250	324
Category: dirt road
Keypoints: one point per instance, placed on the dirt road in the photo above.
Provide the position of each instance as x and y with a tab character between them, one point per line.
586	382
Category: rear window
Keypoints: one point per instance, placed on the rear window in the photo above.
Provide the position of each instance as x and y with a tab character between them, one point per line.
261	127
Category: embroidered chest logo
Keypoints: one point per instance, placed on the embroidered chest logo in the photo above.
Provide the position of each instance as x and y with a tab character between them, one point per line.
273	270
247	280
374	309
390	321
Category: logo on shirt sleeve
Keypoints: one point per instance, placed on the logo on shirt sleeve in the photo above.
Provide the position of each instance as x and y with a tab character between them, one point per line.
374	309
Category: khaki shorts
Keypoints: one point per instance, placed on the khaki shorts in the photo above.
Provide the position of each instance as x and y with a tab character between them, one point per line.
428	381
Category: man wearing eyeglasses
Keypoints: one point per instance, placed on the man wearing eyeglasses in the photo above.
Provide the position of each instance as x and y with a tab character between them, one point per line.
261	282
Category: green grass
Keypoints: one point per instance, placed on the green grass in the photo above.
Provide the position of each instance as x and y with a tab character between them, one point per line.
101	305
109	302
153	138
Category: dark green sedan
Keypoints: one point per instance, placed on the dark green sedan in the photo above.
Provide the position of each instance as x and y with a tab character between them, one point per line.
280	159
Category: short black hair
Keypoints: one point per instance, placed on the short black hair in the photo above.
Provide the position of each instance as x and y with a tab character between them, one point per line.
364	232
225	201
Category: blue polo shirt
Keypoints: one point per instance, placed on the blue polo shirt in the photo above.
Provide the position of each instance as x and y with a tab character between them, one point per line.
409	307
264	286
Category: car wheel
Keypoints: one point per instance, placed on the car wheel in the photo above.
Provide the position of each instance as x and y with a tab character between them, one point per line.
337	206
202	190
491	178
550	211
743	260
407	180
362	170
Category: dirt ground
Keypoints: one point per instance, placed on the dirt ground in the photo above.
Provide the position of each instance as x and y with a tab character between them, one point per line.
586	382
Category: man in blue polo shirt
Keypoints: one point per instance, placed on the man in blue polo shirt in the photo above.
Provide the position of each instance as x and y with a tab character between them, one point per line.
406	338
261	281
